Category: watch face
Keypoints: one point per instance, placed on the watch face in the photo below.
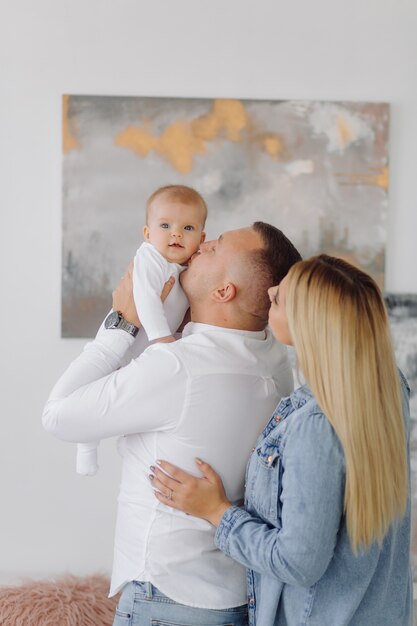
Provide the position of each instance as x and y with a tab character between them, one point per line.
112	320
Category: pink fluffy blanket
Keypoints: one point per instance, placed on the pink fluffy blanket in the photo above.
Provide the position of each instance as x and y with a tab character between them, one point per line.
68	601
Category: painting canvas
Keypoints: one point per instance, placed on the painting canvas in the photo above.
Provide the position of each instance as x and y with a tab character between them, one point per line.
317	170
402	310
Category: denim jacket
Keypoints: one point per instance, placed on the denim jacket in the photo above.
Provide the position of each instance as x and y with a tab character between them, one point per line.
292	533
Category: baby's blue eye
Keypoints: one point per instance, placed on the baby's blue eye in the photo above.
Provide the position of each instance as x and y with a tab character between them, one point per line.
188	227
164	225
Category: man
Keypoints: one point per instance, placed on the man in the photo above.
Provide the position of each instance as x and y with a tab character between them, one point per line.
207	395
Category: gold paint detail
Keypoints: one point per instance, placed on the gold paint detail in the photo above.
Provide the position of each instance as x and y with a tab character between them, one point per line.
140	140
344	131
178	145
378	177
227	117
273	145
69	129
181	141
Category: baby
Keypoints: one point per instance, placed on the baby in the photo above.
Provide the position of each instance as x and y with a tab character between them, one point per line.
174	230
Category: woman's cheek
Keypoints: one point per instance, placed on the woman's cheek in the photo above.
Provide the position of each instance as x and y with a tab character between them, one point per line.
280	330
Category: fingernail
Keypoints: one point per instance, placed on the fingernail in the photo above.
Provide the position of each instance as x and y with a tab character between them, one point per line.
199	461
152	468
151	477
158	462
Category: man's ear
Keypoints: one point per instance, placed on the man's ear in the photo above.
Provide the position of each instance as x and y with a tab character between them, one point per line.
203	237
146	232
224	294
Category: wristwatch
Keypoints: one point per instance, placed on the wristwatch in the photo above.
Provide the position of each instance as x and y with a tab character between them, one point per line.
116	320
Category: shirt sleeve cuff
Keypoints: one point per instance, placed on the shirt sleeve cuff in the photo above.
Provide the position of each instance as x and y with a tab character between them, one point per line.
229	520
116	340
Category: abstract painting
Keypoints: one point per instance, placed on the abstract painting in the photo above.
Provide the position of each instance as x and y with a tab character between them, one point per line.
402	310
317	170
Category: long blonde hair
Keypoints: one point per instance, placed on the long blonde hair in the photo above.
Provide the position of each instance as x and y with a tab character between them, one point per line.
339	327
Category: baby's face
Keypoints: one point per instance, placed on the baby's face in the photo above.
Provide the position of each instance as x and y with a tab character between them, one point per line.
175	229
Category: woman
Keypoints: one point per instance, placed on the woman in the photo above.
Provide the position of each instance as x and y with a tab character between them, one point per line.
325	531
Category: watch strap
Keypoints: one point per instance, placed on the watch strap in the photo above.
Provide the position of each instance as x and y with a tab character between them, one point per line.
116	320
128	327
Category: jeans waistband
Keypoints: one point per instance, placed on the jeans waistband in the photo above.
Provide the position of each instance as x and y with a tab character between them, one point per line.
147	589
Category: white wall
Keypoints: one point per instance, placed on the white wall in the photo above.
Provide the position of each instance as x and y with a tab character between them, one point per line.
50	519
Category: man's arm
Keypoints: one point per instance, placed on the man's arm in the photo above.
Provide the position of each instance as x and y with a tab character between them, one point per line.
94	399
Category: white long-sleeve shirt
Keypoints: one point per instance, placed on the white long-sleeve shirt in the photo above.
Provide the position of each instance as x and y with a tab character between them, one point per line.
207	395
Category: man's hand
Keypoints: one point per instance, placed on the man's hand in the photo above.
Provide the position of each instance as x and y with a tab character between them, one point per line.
123	296
202	497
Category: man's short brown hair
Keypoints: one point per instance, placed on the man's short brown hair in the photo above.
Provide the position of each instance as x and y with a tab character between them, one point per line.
278	255
179	193
268	266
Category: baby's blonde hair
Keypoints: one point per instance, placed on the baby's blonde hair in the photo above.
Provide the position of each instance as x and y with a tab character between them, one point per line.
340	330
180	193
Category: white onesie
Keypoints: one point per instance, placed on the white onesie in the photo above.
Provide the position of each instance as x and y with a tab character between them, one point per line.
150	272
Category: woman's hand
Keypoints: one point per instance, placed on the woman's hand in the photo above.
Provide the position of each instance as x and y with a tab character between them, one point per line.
123	296
202	497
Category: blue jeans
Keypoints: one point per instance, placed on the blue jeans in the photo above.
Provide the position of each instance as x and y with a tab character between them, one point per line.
142	604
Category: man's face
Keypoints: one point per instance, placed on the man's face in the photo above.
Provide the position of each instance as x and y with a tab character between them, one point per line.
208	268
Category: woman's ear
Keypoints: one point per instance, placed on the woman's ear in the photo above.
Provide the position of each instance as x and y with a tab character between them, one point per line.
224	294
